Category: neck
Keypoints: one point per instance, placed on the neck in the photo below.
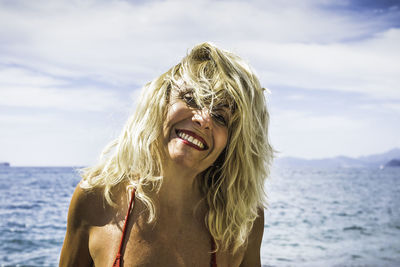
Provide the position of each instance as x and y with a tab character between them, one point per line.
179	192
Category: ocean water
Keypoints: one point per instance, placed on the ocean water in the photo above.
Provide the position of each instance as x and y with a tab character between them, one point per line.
316	217
333	217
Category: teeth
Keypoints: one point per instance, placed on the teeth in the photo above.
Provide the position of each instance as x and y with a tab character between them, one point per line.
191	139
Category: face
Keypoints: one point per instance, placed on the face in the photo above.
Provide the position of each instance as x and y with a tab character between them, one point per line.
193	137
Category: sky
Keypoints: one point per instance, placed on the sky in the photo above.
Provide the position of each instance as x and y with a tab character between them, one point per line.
71	71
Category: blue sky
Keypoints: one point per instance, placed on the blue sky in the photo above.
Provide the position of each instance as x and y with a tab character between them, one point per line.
71	71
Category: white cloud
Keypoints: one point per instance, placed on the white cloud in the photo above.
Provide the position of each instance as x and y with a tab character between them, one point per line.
321	125
15	76
13	119
303	134
81	99
29	89
47	46
385	108
291	44
370	66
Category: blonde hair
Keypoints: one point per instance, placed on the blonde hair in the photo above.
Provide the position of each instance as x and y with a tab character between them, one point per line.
234	185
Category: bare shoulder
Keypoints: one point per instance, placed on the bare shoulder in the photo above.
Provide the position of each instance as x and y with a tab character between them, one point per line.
257	231
83	212
252	254
86	206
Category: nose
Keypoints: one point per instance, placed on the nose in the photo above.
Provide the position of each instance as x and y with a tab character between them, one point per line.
203	118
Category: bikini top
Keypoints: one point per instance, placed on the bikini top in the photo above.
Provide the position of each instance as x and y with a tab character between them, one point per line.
117	261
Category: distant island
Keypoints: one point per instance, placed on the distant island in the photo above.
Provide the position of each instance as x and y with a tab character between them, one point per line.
393	163
4	164
390	158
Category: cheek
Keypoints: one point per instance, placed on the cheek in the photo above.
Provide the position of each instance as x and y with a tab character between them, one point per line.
222	139
174	114
177	111
172	110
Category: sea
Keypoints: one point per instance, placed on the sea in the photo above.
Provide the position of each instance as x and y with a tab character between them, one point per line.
315	216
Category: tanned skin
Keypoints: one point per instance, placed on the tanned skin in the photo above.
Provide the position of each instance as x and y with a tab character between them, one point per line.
179	236
94	230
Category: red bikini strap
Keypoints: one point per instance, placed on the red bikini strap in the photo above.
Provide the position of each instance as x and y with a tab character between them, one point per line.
124	228
213	262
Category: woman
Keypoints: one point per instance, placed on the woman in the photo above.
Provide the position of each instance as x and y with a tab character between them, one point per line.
183	183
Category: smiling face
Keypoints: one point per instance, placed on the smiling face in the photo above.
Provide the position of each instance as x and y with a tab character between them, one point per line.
193	137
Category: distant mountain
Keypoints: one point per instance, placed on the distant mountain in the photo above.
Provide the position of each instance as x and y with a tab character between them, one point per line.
393	163
382	158
376	160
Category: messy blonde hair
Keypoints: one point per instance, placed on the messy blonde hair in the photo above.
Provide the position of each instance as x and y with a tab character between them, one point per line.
233	186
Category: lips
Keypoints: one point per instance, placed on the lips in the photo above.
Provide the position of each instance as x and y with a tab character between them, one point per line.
192	139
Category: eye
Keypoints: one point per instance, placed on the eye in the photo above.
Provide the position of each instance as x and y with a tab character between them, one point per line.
189	99
219	118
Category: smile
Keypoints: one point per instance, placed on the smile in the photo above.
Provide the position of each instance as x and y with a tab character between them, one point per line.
192	139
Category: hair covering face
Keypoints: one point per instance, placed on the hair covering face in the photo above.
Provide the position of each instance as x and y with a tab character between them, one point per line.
234	185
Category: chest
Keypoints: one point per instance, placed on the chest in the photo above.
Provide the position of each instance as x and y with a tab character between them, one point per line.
167	242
